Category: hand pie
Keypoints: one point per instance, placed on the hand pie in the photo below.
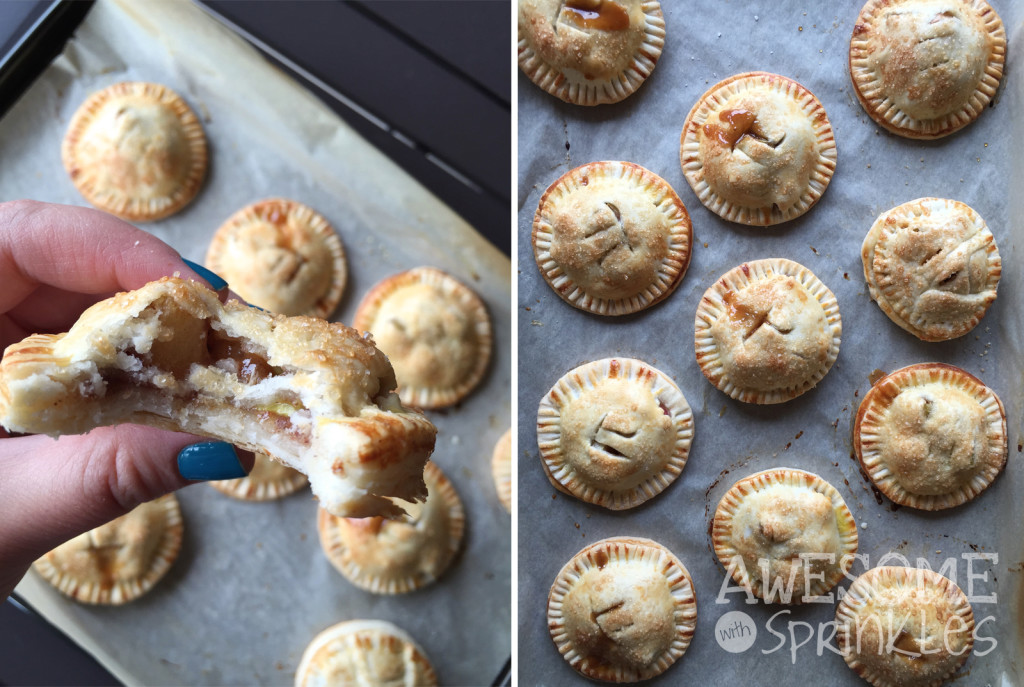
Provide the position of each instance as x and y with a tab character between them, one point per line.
926	68
767	331
369	653
904	627
398	556
932	266
501	469
590	52
622	610
436	332
121	560
931	436
614	432
785	534
136	150
758	149
612	238
282	256
316	396
267	481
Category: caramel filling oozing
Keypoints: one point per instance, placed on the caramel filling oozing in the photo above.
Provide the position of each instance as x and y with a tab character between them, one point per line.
603	15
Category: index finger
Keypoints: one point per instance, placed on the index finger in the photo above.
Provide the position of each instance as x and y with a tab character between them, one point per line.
77	249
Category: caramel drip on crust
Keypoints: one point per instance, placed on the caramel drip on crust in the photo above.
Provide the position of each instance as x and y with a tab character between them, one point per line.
737	124
603	15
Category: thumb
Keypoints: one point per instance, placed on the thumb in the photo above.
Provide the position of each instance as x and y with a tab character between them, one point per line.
52	490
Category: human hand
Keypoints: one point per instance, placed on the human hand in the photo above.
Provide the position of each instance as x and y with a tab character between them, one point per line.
55	261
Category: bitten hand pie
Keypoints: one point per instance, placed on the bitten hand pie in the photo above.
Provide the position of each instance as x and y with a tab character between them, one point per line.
317	396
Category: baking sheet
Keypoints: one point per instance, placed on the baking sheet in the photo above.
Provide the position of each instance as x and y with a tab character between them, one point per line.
808	41
252	587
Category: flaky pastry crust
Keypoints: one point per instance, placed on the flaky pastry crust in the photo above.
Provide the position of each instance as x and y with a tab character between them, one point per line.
931	436
926	68
590	52
612	238
904	627
364	652
622	610
317	396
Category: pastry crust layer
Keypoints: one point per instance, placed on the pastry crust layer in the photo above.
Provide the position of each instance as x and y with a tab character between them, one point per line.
758	149
931	436
317	396
120	561
136	150
614	432
589	52
767	331
435	330
932	266
622	610
926	68
282	256
792	532
904	627
364	652
398	556
612	238
501	469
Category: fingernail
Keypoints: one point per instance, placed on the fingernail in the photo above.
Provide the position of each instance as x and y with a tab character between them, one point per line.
256	306
208	461
216	282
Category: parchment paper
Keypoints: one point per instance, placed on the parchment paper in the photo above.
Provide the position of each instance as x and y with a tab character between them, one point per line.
252	587
808	41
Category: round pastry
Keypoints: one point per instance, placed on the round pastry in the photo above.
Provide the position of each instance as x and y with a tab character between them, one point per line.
614	432
767	331
904	627
282	256
397	556
590	52
371	653
612	238
121	560
136	150
501	468
932	266
926	68
267	481
931	436
758	149
435	331
784	533
622	610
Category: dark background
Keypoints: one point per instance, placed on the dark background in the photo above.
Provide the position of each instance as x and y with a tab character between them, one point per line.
428	83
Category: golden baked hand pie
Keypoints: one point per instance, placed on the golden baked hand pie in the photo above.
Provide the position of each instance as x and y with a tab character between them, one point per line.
282	256
398	556
435	330
368	653
622	610
136	150
614	432
612	238
758	149
785	534
501	469
932	266
931	436
120	561
590	52
767	331
268	480
904	627
315	395
926	68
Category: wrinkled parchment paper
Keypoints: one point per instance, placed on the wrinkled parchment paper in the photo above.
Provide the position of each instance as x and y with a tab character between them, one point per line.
252	587
707	42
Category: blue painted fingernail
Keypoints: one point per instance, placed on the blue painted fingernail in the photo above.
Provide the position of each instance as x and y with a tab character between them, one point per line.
216	282
208	461
257	307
